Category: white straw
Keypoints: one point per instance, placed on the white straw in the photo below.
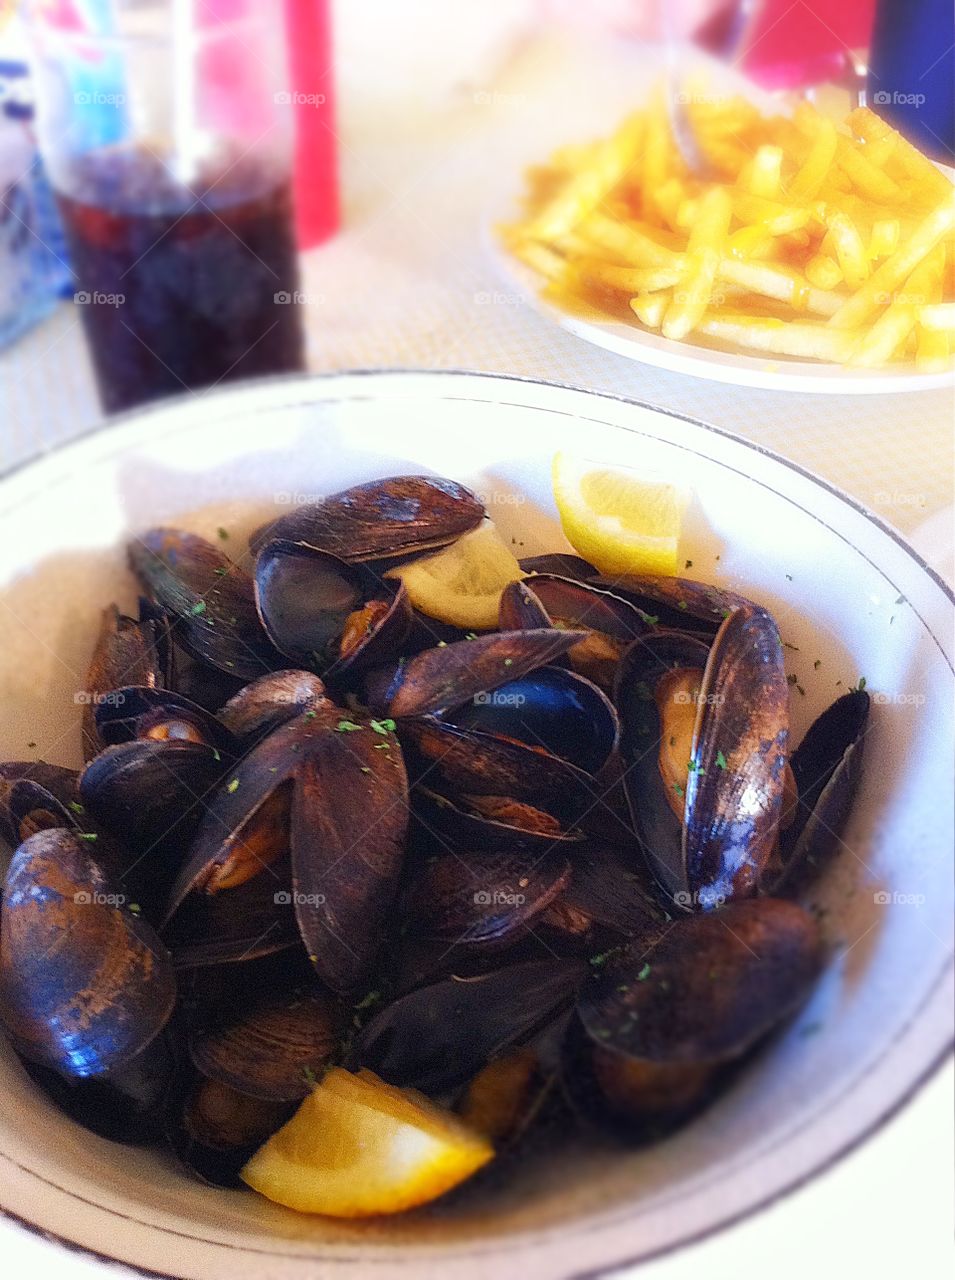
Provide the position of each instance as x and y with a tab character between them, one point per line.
184	90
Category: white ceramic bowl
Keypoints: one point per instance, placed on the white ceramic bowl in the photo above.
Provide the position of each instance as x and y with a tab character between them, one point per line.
848	593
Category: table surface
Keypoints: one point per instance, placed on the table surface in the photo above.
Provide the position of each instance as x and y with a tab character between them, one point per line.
410	282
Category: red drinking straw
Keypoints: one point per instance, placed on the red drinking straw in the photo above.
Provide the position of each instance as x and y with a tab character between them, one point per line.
310	58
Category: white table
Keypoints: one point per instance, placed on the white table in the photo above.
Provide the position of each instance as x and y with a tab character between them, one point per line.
409	282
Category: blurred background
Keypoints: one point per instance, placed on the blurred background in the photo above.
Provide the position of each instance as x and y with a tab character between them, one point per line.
194	191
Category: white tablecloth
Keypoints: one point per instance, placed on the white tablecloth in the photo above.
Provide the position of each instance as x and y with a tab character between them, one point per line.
410	282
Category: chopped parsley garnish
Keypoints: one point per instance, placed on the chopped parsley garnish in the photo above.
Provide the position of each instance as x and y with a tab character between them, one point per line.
644	972
233	786
347	726
383	726
198	607
223	534
720	760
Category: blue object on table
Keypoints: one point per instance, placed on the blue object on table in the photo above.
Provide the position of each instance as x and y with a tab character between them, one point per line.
34	269
911	81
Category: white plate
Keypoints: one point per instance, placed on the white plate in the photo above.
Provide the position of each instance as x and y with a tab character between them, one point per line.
616	86
847	592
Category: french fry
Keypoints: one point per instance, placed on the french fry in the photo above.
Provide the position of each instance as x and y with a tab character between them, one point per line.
884	237
800	338
764	172
864	176
628	240
823	272
629	280
938	317
589	186
782	283
850	251
705	246
650	308
807	180
894	271
868	126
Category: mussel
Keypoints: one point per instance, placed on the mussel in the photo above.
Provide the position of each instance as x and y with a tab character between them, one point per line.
381	520
128	651
659	1022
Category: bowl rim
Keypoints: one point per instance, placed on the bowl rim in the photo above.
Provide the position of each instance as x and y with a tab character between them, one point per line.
873	1127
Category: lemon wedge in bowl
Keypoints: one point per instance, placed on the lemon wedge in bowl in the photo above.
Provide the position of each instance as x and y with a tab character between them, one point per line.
462	583
358	1147
621	521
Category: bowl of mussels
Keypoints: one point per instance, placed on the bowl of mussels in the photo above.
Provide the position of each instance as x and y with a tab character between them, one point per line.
393	881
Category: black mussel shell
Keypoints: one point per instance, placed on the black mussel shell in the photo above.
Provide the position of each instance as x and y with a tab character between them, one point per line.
270	701
484	900
210	598
139	712
679	604
558	710
827	767
481	822
567	566
321	612
90	1007
53	790
276	1050
214	1130
449	676
419	1041
381	520
127	652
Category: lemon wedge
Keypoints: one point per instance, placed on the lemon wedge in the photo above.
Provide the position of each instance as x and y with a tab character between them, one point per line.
462	583
358	1147
619	520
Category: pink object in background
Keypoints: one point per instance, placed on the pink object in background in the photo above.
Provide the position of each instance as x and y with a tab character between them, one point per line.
790	45
310	58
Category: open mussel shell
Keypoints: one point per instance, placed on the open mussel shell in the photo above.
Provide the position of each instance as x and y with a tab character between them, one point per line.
484	901
417	1040
151	795
210	598
557	710
732	796
451	675
92	1006
662	1018
468	762
34	797
125	1105
127	652
270	701
381	520
349	829
321	612
141	712
276	1050
483	822
606	900
827	767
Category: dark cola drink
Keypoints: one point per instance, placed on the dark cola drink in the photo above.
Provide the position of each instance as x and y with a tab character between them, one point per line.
180	289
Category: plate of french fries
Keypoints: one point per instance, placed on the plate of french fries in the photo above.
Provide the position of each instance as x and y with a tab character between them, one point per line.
773	248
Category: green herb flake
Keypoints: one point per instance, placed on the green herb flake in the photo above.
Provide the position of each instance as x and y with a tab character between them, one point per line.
678	789
87	835
223	534
817	664
366	768
508	662
220	572
347	726
791	679
651	619
383	726
794	647
309	1075
198	607
720	760
470	635
76	806
366	1002
861	684
233	786
135	909
681	604
311	714
644	972
688	564
382	746
215	755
